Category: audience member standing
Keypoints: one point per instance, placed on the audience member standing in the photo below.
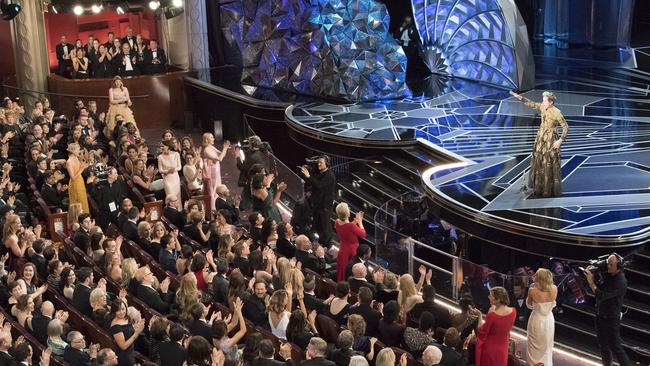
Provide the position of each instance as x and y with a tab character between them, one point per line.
76	188
119	103
323	191
541	323
349	234
169	164
494	331
212	158
63	55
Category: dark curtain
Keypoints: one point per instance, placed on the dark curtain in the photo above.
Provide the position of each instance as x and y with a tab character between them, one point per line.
215	38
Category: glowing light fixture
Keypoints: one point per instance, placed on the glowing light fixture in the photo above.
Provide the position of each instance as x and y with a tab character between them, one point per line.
96	8
154	5
119	10
177	3
78	10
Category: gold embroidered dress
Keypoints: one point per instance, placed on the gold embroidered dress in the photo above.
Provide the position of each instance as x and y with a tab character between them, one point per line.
545	177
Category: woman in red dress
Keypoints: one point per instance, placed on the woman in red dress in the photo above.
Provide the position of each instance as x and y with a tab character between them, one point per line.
349	233
494	331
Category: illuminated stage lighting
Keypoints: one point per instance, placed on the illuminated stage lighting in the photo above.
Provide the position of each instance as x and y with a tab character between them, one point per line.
78	10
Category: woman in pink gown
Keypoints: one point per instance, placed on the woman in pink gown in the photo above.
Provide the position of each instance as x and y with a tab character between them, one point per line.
494	332
349	233
169	164
212	166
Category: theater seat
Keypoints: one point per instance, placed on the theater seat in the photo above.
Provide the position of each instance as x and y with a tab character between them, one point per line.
328	328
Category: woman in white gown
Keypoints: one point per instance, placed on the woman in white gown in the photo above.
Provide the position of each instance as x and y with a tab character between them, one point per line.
541	324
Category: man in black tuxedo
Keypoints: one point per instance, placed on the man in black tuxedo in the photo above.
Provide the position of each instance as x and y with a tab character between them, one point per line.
358	279
82	236
74	353
220	282
232	209
519	303
451	357
128	64
173	212
40	322
6	343
255	306
107	357
312	302
108	195
267	351
440	313
81	294
172	352
199	325
313	260
129	38
130	227
51	191
169	249
109	43
242	250
63	55
123	214
23	354
155	61
370	315
363	255
285	244
38	258
316	351
160	301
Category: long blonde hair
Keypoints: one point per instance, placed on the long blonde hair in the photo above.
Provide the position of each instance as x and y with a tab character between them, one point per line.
277	302
74	210
204	139
385	357
187	294
297	282
284	271
406	289
8	229
544	279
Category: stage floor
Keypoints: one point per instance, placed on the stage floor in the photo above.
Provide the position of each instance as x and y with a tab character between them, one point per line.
605	160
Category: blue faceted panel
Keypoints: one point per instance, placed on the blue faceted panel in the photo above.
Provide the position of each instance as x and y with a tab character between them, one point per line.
468	39
325	48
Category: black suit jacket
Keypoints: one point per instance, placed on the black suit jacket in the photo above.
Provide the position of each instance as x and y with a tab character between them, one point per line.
76	357
160	302
271	362
59	51
130	230
450	357
121	67
6	359
51	195
441	314
312	302
39	327
243	265
81	299
354	260
82	240
162	58
220	289
286	248
174	216
254	310
233	212
201	328
41	264
172	354
311	261
371	316
318	361
356	284
126	40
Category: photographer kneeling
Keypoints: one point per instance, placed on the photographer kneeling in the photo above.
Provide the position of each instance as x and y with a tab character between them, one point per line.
609	292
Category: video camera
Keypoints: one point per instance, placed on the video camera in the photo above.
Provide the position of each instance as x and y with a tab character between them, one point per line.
598	267
101	171
311	164
255	143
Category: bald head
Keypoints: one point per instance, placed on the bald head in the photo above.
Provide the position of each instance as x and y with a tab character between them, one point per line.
359	270
222	190
5	340
47	308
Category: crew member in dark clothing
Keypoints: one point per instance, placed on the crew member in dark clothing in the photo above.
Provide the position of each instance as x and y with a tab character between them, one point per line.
609	301
323	189
109	194
254	155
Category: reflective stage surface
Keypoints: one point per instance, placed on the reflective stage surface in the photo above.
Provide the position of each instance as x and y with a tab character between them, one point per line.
605	160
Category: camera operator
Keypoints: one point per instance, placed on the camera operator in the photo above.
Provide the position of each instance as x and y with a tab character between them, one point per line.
323	190
254	153
108	194
609	301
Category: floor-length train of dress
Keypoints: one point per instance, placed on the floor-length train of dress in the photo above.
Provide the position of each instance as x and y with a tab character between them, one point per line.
172	181
540	331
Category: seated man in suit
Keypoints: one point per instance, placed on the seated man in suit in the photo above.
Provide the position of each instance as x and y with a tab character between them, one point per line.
155	60
82	236
220	282
172	352
169	253
173	211
64	56
267	352
160	301
285	245
313	260
75	353
52	192
312	302
130	227
123	214
255	306
358	279
199	325
23	354
242	250
6	344
255	220
81	294
364	252
316	351
451	357
107	357
431	356
222	203
40	322
370	315
440	313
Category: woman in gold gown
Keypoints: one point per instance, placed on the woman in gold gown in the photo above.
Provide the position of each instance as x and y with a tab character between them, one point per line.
119	103
76	186
545	177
